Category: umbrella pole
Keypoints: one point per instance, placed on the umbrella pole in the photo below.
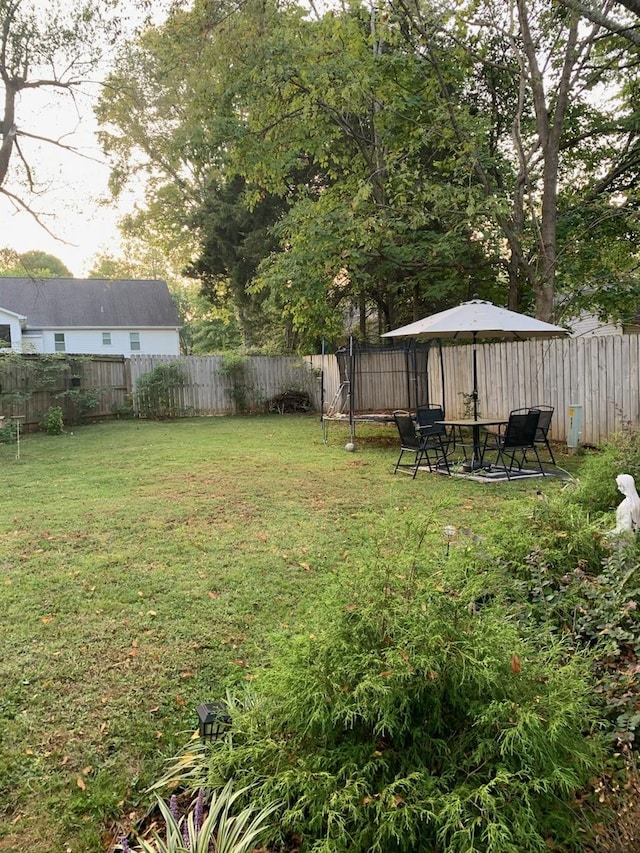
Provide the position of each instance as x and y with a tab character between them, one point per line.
474	393
475	462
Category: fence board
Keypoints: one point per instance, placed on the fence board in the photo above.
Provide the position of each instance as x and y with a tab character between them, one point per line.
633	411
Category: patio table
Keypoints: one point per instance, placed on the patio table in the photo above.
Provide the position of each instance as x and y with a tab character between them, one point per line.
475	425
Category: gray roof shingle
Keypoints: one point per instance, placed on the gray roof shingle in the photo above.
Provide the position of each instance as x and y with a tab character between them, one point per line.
89	303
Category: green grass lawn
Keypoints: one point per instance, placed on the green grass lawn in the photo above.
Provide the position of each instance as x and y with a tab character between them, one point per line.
144	567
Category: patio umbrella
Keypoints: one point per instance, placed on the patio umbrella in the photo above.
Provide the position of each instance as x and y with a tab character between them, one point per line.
477	319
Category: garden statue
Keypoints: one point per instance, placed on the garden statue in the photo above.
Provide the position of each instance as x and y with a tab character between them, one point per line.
628	513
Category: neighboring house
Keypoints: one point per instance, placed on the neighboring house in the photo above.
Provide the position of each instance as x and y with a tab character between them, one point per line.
587	325
90	315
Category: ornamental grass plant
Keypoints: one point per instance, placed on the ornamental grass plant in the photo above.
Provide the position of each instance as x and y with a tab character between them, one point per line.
208	826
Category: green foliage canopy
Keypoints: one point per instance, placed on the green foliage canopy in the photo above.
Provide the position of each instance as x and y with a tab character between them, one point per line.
32	263
350	139
381	162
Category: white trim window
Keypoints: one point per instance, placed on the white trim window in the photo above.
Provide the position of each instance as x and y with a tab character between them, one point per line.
134	341
106	339
59	344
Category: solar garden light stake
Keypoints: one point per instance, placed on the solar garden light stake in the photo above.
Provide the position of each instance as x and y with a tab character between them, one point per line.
449	534
214	720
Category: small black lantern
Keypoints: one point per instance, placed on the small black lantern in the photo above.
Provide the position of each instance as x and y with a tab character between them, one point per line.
214	720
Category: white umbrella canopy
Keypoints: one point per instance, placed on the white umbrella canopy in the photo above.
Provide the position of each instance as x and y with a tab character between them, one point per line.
477	319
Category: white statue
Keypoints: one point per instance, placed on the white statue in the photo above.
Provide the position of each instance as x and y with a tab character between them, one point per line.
628	513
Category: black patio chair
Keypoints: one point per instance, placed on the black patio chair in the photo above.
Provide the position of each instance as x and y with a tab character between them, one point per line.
435	434
518	436
544	424
410	442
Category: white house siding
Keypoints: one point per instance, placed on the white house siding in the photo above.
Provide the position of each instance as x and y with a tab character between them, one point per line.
89	341
588	325
31	343
8	318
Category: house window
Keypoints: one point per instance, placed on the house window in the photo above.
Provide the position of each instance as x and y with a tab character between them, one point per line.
5	336
106	339
58	340
134	341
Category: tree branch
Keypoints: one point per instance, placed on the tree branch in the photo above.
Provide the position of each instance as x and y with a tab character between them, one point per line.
22	205
70	148
586	10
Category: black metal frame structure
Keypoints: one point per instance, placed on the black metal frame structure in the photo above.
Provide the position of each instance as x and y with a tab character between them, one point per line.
346	403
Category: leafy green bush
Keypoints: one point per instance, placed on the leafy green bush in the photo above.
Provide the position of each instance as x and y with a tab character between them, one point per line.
8	432
562	575
557	531
156	391
234	368
125	409
597	491
82	401
52	422
403	720
606	620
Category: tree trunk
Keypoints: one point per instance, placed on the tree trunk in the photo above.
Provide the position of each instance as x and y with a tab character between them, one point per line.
550	114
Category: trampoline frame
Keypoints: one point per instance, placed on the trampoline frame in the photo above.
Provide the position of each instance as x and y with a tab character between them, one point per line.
344	406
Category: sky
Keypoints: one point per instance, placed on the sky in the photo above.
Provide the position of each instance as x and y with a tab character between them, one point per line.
75	203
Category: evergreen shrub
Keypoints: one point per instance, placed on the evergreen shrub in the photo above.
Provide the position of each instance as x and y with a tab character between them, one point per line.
556	530
403	719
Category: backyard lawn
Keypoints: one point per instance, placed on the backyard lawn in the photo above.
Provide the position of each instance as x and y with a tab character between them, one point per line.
145	566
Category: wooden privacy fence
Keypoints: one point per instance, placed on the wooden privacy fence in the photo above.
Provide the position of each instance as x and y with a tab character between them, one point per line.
29	385
601	374
212	389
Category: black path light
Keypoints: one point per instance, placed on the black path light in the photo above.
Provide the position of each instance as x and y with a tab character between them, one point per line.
214	719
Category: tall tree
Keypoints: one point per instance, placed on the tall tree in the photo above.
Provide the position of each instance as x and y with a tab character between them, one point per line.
619	17
32	263
331	115
389	227
158	125
234	238
422	152
550	66
37	263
